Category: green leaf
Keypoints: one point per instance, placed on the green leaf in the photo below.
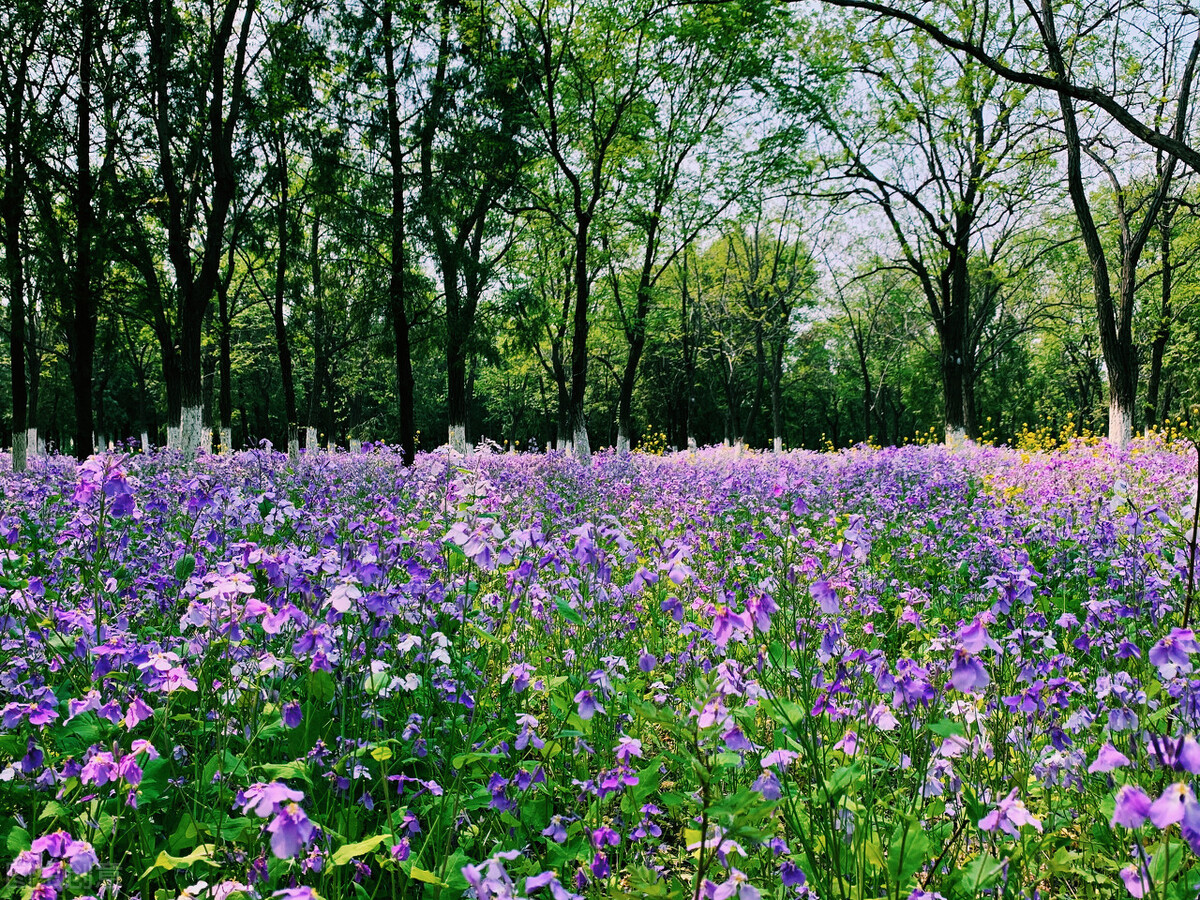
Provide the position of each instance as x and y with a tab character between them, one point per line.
185	566
347	852
295	769
980	874
565	610
166	862
16	840
907	852
426	876
947	728
320	686
154	779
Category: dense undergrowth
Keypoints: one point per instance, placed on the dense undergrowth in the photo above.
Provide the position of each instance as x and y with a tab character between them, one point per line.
872	674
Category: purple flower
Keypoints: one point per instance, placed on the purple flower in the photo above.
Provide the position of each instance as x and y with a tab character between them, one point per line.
737	885
290	831
1172	654
605	836
266	799
588	705
1137	882
1009	816
26	863
291	715
967	673
825	596
81	857
1108	759
791	874
297	893
1131	808
555	830
1168	808
55	844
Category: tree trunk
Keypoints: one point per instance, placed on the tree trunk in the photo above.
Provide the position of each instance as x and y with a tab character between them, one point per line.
457	329
14	205
277	309
1115	322
225	366
397	297
777	397
321	403
83	325
1162	333
196	287
637	344
579	341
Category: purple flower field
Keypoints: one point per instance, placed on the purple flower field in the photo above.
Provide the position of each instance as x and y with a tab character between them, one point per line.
904	673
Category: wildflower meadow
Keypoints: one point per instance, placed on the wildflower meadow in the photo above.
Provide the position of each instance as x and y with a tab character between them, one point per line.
923	672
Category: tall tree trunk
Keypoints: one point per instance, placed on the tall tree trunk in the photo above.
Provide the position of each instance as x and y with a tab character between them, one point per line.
777	395
456	354
83	330
637	344
1162	333
225	365
750	432
686	317
33	358
562	422
321	403
397	297
579	339
13	214
277	308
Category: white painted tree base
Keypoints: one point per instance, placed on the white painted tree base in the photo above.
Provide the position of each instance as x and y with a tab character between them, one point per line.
622	442
172	437
956	437
1120	426
310	440
457	438
191	422
145	442
226	441
583	448
777	445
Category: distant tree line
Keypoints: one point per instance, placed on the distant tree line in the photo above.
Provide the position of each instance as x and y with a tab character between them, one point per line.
582	223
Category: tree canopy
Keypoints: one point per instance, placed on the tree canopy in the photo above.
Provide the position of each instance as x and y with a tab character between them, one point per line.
585	223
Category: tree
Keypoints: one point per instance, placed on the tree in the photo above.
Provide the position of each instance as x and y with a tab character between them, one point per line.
940	153
197	71
21	26
471	159
595	62
686	169
1151	102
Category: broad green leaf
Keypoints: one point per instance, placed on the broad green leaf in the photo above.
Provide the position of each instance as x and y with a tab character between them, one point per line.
185	566
16	840
565	610
426	876
907	853
980	874
347	852
166	862
947	728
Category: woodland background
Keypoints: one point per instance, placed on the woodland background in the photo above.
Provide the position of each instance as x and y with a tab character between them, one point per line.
579	224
